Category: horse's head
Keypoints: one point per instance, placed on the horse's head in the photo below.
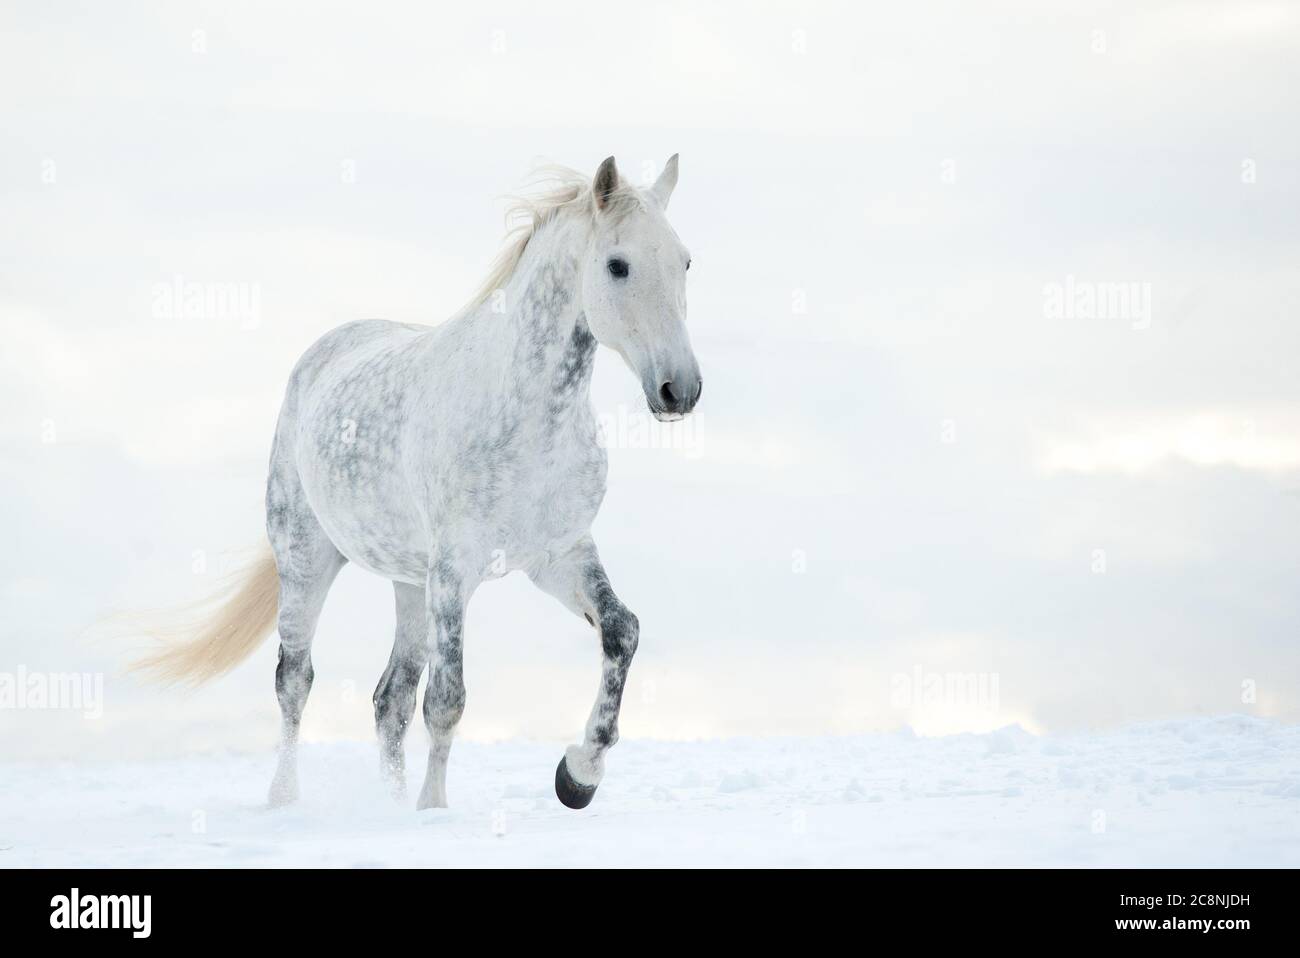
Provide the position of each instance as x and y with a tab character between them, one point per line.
634	288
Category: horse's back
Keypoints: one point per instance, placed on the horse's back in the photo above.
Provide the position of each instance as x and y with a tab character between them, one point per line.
343	346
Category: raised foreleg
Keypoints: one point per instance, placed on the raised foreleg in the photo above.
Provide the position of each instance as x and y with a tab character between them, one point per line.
578	580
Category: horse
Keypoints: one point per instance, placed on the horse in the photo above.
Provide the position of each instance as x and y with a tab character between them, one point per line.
439	457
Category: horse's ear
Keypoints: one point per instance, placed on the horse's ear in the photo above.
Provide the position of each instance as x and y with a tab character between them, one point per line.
605	183
663	187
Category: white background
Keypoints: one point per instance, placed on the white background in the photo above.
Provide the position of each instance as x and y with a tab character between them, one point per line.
875	197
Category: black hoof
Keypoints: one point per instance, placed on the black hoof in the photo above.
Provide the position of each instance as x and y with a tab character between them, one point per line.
569	792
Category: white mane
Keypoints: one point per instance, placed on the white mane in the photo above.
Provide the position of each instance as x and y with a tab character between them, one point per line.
559	189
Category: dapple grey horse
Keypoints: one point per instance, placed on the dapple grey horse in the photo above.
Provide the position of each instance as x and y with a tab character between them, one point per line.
439	457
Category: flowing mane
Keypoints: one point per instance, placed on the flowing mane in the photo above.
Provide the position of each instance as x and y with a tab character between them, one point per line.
557	189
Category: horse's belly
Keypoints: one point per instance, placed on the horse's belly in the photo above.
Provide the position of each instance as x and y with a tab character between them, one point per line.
375	528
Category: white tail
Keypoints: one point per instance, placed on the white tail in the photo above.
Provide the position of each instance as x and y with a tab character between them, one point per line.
214	634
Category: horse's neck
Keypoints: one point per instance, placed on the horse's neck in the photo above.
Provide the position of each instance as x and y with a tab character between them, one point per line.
535	324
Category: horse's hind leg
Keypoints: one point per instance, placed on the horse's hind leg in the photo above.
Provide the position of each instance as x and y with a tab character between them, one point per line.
307	562
395	695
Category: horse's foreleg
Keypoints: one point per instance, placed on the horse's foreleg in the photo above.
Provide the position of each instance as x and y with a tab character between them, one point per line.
444	696
579	581
395	695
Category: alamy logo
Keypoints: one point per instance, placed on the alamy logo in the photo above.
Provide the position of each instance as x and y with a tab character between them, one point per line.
183	299
1076	299
638	429
920	688
74	691
133	912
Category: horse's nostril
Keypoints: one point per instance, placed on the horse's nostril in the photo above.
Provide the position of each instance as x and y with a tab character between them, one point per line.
699	390
668	396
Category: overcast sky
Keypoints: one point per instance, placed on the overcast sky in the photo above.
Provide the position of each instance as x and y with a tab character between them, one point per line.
920	451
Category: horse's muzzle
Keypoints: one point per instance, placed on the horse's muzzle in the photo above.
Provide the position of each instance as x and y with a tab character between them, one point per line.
676	398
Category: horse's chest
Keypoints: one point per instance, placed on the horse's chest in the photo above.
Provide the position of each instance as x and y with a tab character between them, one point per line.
521	490
553	493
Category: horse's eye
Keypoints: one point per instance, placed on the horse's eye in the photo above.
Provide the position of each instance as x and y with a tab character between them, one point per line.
618	268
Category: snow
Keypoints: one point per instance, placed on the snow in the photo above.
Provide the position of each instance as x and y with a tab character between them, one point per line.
1208	791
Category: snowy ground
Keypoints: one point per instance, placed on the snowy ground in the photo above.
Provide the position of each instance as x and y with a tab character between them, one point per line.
1192	792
